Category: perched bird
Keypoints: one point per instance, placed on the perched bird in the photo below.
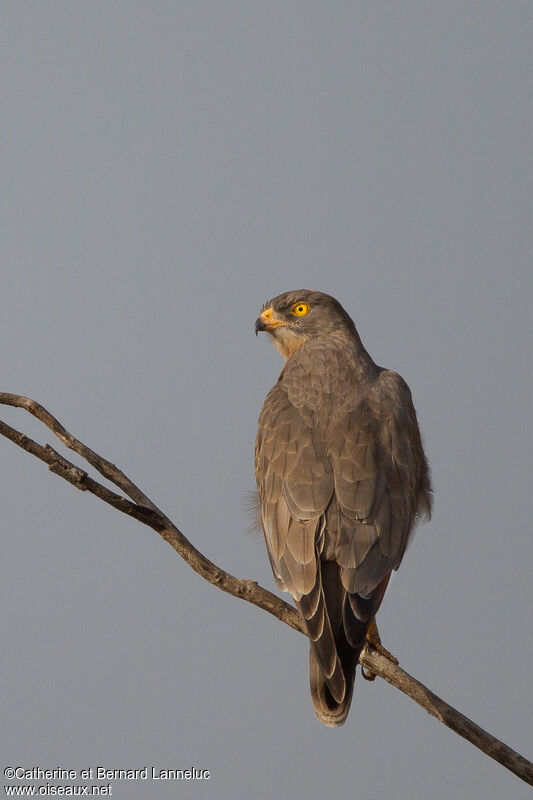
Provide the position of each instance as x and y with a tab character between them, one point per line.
342	481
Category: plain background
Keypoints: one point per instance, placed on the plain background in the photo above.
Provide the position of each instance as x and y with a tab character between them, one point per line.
167	167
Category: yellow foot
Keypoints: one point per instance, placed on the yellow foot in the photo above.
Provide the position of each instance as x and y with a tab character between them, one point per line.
373	640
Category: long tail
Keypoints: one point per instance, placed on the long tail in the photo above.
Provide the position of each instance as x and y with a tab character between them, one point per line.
337	624
328	710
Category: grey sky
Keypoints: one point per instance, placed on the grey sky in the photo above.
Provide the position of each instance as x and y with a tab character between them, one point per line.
167	168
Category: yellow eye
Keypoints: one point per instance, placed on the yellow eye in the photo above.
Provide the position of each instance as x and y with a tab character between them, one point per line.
300	309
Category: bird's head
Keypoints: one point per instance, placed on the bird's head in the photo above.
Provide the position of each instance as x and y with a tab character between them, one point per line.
296	317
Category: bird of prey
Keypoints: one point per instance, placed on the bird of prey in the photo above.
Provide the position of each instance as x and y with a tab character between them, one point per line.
342	481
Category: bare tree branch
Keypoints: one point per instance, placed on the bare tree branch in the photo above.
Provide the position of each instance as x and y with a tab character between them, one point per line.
449	716
143	509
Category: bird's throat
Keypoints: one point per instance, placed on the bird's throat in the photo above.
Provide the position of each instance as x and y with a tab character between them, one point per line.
287	340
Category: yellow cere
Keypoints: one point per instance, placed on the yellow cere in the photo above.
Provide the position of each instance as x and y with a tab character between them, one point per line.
300	309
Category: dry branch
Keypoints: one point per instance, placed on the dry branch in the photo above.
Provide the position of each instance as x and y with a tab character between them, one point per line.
141	508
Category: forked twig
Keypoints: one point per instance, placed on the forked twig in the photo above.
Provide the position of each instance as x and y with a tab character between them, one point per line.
143	509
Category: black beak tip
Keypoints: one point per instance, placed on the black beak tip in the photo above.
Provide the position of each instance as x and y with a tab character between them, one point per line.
259	326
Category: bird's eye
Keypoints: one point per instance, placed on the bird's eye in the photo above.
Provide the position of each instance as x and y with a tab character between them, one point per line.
300	309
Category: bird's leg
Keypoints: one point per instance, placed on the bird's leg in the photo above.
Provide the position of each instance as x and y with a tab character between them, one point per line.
374	640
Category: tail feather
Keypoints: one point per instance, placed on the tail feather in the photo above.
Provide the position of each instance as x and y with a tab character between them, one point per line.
328	710
334	653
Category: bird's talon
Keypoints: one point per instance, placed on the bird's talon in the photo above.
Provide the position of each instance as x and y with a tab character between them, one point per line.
384	652
373	639
368	676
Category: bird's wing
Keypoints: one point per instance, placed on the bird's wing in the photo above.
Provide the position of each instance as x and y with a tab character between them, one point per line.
295	483
381	482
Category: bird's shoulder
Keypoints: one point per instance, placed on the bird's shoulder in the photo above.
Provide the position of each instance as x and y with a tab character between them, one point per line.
389	394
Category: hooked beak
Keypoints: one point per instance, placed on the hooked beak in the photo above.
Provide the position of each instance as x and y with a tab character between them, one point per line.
267	321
